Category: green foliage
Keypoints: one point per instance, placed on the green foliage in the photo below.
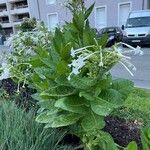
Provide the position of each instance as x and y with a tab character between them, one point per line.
136	107
67	98
146	138
19	131
86	98
132	146
28	24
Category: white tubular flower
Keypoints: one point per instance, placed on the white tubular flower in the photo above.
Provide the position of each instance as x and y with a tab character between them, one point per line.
101	58
125	59
126	68
131	49
80	50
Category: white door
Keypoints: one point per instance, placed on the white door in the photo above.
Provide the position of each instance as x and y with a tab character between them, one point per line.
124	10
52	21
100	17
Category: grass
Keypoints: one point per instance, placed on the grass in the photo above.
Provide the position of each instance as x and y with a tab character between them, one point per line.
136	107
19	131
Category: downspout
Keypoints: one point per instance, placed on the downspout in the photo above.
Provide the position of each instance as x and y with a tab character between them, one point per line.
39	11
142	4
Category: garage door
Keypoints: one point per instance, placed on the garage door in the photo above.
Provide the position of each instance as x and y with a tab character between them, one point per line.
100	17
124	10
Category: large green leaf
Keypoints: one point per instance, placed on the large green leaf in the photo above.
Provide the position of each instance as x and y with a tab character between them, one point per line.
89	11
92	122
73	104
102	107
125	87
82	82
112	96
58	91
45	117
64	120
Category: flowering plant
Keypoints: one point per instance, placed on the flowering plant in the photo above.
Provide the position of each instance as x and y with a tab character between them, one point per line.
16	64
71	73
73	80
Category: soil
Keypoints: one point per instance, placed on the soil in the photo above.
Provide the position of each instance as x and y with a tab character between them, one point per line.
123	132
23	98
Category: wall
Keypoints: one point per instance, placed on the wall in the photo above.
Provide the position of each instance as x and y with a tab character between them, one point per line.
64	15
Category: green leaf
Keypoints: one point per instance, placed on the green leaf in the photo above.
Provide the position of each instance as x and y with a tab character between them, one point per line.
65	120
125	87
36	96
58	40
45	117
78	21
89	11
72	104
132	146
58	91
62	68
102	107
82	82
92	122
103	40
112	96
87	96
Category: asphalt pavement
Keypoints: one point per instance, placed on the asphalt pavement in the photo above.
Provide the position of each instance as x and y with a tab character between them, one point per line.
141	76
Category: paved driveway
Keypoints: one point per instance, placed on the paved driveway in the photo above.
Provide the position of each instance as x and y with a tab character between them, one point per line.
142	74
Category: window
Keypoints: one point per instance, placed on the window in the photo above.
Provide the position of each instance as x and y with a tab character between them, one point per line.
100	17
52	21
51	2
123	13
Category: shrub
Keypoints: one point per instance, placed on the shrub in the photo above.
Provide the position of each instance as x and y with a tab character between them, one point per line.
28	24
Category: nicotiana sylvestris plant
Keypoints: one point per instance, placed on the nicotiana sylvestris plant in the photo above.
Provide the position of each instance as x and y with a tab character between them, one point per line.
73	81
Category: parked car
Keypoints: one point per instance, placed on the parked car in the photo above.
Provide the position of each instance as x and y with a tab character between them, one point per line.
2	39
137	28
115	34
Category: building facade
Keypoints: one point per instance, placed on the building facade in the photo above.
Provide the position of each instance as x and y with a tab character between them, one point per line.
12	13
106	12
54	12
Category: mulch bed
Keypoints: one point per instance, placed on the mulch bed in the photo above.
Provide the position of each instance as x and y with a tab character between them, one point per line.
123	132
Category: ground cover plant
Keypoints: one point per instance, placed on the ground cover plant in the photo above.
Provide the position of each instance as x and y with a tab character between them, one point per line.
19	131
70	70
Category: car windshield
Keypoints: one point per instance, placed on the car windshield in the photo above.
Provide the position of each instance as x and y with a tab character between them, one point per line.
109	30
138	22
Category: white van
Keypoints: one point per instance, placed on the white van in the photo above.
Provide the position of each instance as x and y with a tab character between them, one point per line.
137	28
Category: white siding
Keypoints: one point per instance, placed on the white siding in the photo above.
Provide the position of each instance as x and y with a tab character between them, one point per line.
123	13
100	17
52	21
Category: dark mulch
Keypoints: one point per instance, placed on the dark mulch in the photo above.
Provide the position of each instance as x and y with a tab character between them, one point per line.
123	132
23	98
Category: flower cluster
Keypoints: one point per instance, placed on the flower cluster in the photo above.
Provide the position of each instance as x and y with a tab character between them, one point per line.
125	60
82	55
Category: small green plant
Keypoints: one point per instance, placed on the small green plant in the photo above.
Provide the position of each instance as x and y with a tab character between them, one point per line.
19	131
